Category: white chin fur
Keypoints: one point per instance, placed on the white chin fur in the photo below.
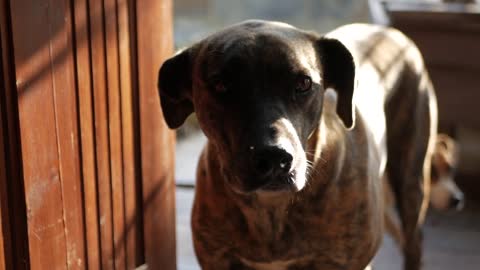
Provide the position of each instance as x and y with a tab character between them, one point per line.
301	175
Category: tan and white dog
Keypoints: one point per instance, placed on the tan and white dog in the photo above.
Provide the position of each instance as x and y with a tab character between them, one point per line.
444	192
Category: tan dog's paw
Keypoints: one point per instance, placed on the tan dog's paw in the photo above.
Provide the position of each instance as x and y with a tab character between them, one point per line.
445	194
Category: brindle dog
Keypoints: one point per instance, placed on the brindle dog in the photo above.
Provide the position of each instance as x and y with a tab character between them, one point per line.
299	127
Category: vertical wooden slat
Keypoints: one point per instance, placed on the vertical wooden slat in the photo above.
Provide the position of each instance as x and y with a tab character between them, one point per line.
4	239
18	222
5	234
65	101
47	111
132	234
3	256
101	132
34	41
154	41
84	88
115	132
132	13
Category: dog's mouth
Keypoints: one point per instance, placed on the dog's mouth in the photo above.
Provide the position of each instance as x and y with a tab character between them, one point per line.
288	183
294	181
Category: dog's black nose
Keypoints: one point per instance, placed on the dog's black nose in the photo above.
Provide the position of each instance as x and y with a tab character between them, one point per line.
456	203
271	161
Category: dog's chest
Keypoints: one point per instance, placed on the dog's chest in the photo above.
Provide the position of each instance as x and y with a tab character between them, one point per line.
295	238
273	231
333	233
276	264
274	243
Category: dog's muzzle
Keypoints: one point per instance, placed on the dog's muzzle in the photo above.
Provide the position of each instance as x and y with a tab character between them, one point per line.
273	169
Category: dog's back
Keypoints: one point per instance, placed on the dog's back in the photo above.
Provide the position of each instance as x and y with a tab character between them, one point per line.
389	70
390	67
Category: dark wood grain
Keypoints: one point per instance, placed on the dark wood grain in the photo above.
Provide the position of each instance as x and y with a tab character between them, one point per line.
154	41
86	162
100	96
5	233
14	171
133	232
84	89
115	132
66	121
34	63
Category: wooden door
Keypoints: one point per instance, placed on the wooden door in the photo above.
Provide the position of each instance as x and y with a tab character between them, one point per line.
86	161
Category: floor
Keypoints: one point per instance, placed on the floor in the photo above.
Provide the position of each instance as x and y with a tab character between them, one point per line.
451	240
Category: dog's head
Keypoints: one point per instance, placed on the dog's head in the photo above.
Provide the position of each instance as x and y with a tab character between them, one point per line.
257	90
444	192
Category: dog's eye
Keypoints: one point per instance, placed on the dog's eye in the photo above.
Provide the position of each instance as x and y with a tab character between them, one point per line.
220	87
303	84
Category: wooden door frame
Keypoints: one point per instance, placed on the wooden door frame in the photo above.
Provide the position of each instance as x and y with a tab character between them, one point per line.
143	34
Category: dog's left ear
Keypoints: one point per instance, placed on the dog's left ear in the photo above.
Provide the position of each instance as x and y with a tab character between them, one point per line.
339	74
175	88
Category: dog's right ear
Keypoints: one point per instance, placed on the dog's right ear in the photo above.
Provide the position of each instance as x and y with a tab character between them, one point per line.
175	88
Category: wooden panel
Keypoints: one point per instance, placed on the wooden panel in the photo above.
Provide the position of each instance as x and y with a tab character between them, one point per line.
18	221
458	93
440	50
100	97
82	141
5	234
430	7
154	41
84	88
65	102
33	40
115	132
134	232
443	42
48	126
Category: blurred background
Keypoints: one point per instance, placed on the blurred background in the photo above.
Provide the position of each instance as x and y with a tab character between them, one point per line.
194	19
